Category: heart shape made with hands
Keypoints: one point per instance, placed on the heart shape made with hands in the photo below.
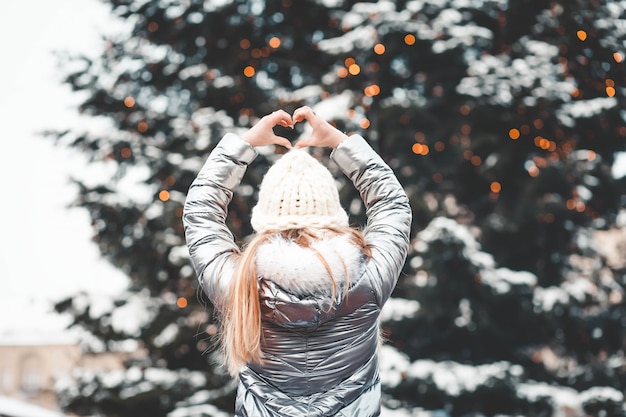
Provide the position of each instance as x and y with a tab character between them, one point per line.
322	133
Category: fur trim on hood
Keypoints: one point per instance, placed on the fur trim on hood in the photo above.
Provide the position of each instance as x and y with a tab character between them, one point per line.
300	271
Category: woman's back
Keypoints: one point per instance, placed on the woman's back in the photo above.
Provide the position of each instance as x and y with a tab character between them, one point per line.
309	341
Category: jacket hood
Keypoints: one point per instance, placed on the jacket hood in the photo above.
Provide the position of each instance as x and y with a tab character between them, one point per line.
295	285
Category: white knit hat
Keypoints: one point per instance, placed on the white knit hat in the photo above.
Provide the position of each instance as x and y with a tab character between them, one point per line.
297	192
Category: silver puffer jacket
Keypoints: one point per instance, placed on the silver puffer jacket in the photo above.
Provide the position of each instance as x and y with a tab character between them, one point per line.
320	359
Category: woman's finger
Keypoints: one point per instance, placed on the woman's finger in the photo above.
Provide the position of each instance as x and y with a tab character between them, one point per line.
281	117
279	140
302	113
303	143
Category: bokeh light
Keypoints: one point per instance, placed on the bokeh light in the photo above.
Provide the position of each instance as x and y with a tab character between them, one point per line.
249	71
129	102
420	149
274	42
372	90
354	69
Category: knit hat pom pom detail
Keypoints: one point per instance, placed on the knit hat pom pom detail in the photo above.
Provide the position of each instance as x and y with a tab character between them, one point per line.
297	192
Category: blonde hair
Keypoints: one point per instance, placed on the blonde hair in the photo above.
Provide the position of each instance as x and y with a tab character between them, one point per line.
240	338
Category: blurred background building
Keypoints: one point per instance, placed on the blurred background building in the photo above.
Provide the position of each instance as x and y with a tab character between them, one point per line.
29	372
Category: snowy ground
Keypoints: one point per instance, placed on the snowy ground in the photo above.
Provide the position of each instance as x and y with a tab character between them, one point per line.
45	249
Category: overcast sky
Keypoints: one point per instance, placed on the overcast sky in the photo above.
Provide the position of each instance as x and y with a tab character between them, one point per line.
45	248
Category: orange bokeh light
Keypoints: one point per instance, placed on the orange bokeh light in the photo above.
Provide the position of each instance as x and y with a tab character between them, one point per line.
164	195
420	149
274	42
354	69
514	134
372	90
129	102
249	71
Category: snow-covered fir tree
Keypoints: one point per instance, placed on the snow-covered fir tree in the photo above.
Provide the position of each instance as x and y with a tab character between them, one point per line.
504	121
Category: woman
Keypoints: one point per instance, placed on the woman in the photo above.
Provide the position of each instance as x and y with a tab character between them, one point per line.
299	306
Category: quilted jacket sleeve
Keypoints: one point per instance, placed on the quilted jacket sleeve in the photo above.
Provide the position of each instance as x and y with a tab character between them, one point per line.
211	244
388	211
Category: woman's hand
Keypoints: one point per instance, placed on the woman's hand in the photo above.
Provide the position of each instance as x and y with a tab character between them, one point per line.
324	134
262	134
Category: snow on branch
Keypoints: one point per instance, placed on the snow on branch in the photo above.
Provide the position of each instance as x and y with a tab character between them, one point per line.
500	78
583	109
568	401
452	234
450	377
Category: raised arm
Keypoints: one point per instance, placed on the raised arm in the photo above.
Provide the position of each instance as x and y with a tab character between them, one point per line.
387	207
210	243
